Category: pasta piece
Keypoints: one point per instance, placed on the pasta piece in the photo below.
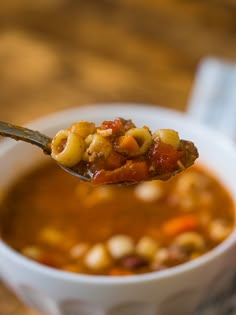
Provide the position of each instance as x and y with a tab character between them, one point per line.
168	136
143	138
98	147
190	241
67	148
83	128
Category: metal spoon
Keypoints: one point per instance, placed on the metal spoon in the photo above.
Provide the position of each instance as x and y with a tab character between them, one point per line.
44	142
36	138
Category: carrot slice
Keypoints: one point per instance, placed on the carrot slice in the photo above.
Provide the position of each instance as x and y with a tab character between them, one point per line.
114	160
180	224
128	144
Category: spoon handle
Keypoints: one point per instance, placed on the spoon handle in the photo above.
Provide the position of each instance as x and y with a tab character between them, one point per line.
27	135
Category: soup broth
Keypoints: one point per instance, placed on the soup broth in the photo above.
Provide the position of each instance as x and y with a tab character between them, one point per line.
56	220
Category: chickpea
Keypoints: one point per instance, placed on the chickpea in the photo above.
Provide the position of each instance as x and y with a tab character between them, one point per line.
146	247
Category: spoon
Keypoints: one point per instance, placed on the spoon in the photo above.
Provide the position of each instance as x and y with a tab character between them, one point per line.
36	138
44	142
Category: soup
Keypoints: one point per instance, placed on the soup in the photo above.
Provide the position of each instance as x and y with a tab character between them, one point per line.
56	220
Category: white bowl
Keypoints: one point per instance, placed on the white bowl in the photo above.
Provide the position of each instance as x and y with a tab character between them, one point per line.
182	290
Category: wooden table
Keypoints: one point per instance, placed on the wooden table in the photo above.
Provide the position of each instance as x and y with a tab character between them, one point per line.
65	53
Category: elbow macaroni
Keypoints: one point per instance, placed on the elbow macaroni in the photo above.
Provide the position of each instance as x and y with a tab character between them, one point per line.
83	128
84	142
67	148
143	138
168	136
98	146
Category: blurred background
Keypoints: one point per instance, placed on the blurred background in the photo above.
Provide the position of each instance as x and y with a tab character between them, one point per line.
56	54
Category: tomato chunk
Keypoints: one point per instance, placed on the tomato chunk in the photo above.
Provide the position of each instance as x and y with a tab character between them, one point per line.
131	171
164	157
114	125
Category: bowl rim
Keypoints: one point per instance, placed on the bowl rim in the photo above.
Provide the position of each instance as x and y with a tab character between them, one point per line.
198	263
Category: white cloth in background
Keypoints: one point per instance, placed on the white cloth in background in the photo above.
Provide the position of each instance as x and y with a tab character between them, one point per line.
213	99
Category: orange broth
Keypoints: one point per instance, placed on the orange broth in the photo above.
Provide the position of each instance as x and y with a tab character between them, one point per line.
52	218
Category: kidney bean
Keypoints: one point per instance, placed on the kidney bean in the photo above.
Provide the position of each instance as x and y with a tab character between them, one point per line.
133	262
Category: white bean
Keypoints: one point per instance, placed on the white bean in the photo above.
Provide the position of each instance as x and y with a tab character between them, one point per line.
79	250
120	246
149	191
97	258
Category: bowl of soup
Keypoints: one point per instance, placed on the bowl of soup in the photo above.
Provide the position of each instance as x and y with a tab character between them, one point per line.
156	247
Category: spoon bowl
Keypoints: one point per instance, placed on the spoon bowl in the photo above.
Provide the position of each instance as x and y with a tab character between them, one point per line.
44	142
